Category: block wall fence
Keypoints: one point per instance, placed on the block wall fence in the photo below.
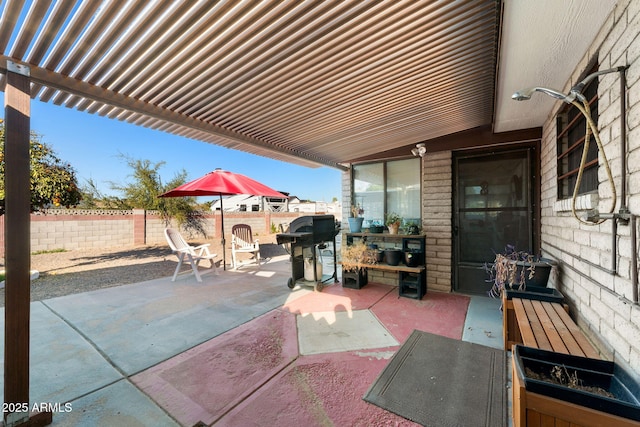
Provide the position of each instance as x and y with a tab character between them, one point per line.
73	229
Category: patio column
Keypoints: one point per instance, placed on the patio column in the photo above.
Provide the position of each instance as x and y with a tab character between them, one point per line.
17	249
139	227
267	222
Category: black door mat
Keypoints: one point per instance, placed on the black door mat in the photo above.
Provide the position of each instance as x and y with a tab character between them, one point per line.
438	381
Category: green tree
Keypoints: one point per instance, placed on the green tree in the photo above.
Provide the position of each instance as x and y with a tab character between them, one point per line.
91	196
53	182
143	191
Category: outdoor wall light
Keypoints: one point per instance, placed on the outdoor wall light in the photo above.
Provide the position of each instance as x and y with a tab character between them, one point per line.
420	150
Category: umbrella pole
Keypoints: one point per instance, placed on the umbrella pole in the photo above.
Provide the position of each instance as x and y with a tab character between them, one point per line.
224	256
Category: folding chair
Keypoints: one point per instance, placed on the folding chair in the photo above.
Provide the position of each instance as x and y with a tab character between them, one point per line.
242	242
193	254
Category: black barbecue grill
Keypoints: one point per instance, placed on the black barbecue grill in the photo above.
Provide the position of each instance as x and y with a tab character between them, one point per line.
304	237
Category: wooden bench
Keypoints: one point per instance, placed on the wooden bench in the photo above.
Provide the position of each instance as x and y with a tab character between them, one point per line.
510	330
547	326
387	267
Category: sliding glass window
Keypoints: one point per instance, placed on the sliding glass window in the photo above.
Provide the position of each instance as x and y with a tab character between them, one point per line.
388	187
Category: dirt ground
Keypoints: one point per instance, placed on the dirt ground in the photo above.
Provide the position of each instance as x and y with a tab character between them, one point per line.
69	272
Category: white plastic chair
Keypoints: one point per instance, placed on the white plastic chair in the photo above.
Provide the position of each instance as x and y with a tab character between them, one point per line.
193	254
242	242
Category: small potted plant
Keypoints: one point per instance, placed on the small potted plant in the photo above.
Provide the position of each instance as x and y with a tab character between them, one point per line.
355	220
412	227
515	270
393	221
354	259
518	274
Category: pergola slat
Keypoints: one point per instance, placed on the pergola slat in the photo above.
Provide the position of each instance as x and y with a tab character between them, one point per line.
308	82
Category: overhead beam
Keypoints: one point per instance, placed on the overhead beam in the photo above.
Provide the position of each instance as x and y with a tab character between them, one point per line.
95	93
473	138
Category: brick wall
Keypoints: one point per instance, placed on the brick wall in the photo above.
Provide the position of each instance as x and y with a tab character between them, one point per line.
346	199
600	298
436	218
83	229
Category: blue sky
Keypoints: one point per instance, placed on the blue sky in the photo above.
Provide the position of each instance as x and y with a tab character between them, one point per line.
92	145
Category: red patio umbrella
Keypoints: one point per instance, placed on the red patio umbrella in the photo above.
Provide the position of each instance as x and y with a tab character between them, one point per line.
222	183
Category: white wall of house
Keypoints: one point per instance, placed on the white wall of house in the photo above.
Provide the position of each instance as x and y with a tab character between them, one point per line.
249	203
238	202
333	208
600	300
307	207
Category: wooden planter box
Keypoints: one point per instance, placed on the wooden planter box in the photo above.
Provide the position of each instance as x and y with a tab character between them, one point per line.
543	271
510	331
537	403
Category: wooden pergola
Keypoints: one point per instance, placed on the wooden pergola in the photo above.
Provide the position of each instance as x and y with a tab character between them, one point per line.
314	83
317	83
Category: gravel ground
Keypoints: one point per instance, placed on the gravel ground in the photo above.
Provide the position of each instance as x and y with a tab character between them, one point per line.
70	272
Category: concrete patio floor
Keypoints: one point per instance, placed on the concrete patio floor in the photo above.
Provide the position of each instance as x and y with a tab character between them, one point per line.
238	349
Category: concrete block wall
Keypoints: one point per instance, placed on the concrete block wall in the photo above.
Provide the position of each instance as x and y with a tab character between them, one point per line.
257	224
600	299
384	277
74	229
69	231
154	227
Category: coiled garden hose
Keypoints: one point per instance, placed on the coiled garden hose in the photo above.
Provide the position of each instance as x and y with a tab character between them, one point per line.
591	128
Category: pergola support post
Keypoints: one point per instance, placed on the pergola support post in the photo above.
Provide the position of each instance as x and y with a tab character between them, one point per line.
17	251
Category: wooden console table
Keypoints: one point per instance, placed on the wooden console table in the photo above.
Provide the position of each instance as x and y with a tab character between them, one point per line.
412	282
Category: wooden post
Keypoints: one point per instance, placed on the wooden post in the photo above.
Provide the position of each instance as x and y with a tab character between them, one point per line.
17	249
17	243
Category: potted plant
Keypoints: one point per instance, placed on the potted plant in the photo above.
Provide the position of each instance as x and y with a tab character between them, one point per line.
518	274
376	228
518	271
355	219
393	221
572	389
412	227
354	259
